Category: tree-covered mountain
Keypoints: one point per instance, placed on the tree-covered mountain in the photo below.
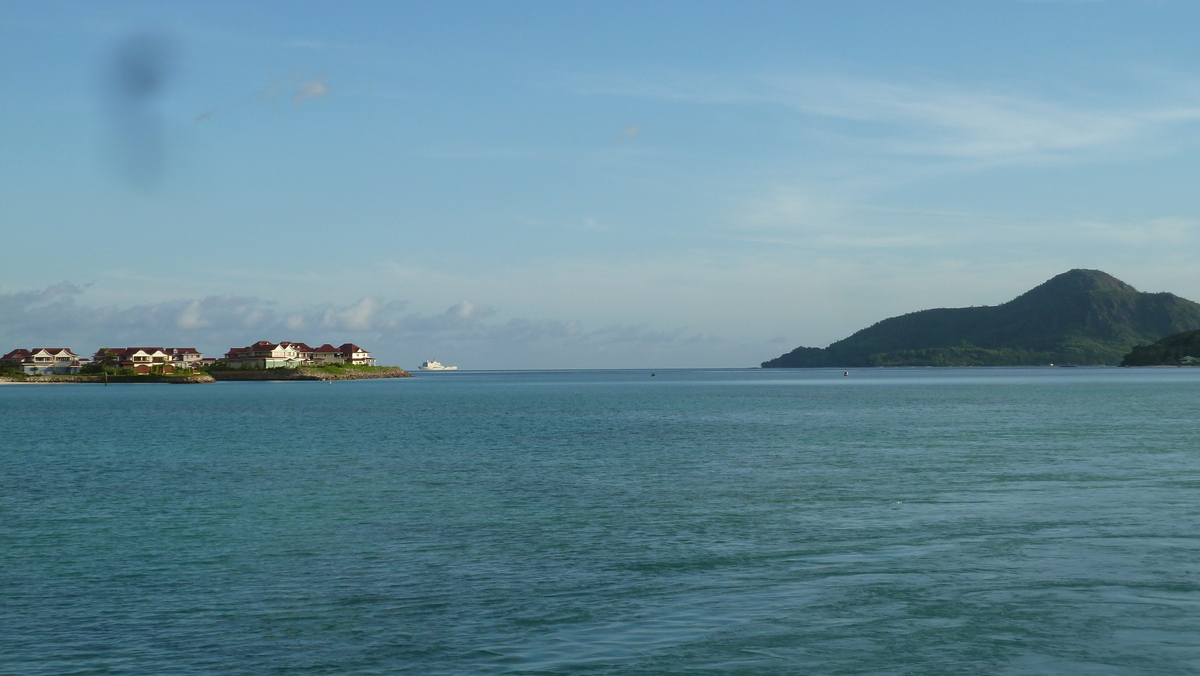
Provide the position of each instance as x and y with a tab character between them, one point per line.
1078	317
1170	350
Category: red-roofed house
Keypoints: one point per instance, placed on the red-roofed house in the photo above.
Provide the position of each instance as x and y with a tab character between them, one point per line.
327	354
149	359
185	357
354	354
285	354
267	355
45	360
140	359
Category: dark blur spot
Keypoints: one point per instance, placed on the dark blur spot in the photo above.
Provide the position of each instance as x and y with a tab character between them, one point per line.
137	74
141	65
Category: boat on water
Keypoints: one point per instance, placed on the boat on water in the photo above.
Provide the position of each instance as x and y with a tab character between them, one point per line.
435	365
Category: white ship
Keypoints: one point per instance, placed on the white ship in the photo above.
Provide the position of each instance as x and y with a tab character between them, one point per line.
435	365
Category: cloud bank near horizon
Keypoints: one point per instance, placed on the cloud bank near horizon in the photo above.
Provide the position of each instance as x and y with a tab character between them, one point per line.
53	316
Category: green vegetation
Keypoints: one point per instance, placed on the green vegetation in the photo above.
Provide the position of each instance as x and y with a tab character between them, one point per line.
110	367
1079	317
1172	350
10	370
100	368
963	355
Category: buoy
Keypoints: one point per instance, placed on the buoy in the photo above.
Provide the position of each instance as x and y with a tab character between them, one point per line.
846	373
651	375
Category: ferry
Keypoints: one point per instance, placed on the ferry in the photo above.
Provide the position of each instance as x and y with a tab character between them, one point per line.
435	365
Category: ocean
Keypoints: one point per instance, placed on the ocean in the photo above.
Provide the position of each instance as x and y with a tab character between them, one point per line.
895	521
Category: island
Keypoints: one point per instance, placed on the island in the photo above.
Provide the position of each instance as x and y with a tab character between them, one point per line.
264	360
1080	317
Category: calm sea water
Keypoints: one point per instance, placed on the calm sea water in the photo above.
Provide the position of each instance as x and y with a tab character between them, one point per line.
974	521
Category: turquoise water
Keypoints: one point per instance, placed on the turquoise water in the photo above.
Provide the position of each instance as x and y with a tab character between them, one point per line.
1007	521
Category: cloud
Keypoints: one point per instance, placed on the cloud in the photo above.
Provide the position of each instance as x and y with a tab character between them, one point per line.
924	118
315	88
190	317
1172	232
302	90
53	316
464	316
357	316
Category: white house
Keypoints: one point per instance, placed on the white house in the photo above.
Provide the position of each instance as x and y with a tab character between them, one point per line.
265	355
354	354
185	357
148	359
45	360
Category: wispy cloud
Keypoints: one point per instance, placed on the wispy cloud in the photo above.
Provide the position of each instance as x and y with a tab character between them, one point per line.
1173	232
315	88
928	118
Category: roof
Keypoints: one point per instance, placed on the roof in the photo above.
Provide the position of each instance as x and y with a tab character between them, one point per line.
350	347
129	351
54	350
182	350
327	348
301	347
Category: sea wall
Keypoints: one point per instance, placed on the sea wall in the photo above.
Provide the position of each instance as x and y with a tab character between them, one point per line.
307	374
150	378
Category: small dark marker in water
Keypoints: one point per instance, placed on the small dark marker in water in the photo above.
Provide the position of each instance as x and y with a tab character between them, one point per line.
651	375
846	373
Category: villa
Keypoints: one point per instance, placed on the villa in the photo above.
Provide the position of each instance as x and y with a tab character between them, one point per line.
45	360
148	359
185	357
286	354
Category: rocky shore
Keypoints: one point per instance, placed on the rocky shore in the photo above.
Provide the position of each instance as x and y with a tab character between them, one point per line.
57	380
248	374
309	374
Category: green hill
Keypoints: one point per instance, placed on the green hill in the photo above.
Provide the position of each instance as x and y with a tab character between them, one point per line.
1078	317
1170	350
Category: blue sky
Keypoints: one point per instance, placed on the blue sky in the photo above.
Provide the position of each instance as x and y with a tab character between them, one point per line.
586	184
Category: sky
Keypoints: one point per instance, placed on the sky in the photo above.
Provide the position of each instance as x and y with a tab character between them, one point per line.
509	185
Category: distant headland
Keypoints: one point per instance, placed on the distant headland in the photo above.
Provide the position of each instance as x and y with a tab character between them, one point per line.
1180	349
1081	317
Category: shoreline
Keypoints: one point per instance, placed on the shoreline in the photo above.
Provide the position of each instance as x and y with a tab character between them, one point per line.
213	377
307	374
99	379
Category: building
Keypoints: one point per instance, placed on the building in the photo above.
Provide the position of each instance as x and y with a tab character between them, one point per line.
354	354
327	354
267	355
45	360
150	359
286	354
185	358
